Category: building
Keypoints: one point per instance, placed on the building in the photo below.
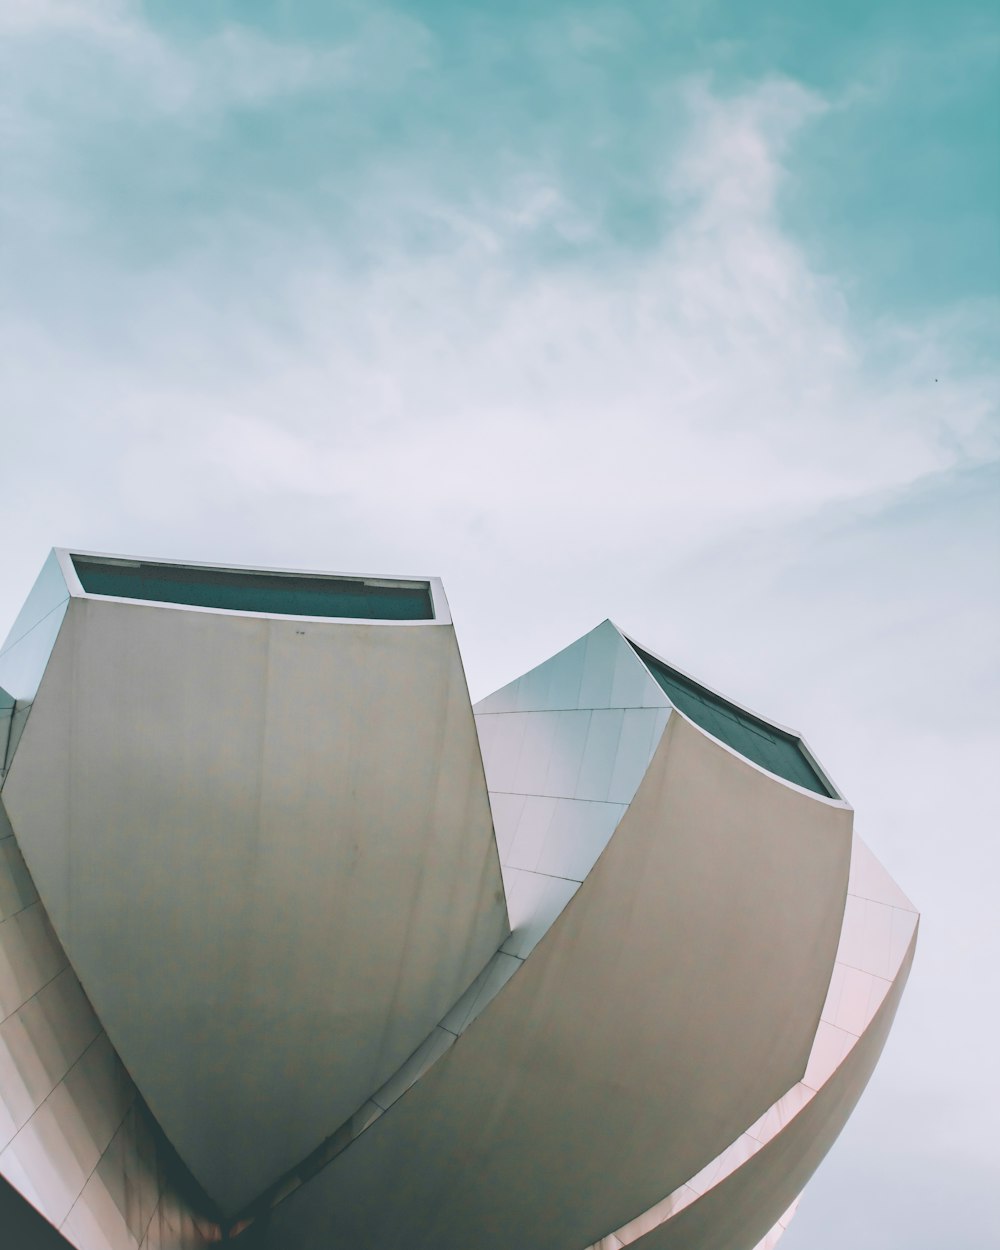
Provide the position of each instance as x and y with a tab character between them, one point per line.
299	949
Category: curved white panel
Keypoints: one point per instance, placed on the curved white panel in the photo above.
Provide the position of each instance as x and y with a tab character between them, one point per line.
637	1038
266	842
266	845
736	1209
565	748
879	927
75	1139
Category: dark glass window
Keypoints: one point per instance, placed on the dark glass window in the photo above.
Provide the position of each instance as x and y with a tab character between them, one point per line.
285	594
771	748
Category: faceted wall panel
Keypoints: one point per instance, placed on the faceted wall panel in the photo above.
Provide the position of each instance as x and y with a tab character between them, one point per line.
394	974
75	1139
640	1009
565	748
879	929
309	793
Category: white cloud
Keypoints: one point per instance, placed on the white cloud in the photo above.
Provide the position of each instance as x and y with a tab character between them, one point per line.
719	359
230	66
712	383
701	438
630	414
104	18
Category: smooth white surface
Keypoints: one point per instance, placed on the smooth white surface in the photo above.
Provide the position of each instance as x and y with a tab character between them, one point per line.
869	959
636	1042
734	1209
565	748
28	644
73	1137
267	846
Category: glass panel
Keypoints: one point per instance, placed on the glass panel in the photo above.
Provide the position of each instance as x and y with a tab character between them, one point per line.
771	748
284	594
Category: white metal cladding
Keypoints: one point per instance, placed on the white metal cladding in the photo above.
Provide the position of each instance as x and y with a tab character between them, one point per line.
25	653
28	644
635	1043
549	840
677	927
75	1139
565	748
731	1209
879	927
262	837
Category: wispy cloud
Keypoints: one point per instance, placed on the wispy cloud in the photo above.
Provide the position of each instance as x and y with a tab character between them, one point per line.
537	302
231	66
714	380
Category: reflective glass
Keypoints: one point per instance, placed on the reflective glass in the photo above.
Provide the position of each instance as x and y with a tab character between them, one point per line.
283	594
779	752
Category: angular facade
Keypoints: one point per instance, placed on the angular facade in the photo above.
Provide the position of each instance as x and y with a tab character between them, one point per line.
298	949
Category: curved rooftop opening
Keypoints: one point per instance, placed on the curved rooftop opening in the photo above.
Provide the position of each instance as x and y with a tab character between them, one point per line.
775	749
244	590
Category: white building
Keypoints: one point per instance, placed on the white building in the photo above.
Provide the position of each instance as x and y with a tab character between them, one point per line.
298	948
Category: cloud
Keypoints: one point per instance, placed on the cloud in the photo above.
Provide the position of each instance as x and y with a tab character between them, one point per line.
225	67
432	382
712	381
104	18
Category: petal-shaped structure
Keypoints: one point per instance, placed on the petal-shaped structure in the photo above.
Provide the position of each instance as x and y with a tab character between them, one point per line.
263	839
76	1140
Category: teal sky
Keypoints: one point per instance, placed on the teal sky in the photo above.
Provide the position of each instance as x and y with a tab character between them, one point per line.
685	314
305	111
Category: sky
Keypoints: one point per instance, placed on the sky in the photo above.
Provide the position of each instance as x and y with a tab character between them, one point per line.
683	314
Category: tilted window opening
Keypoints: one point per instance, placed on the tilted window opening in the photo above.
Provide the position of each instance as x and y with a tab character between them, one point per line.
281	594
779	752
